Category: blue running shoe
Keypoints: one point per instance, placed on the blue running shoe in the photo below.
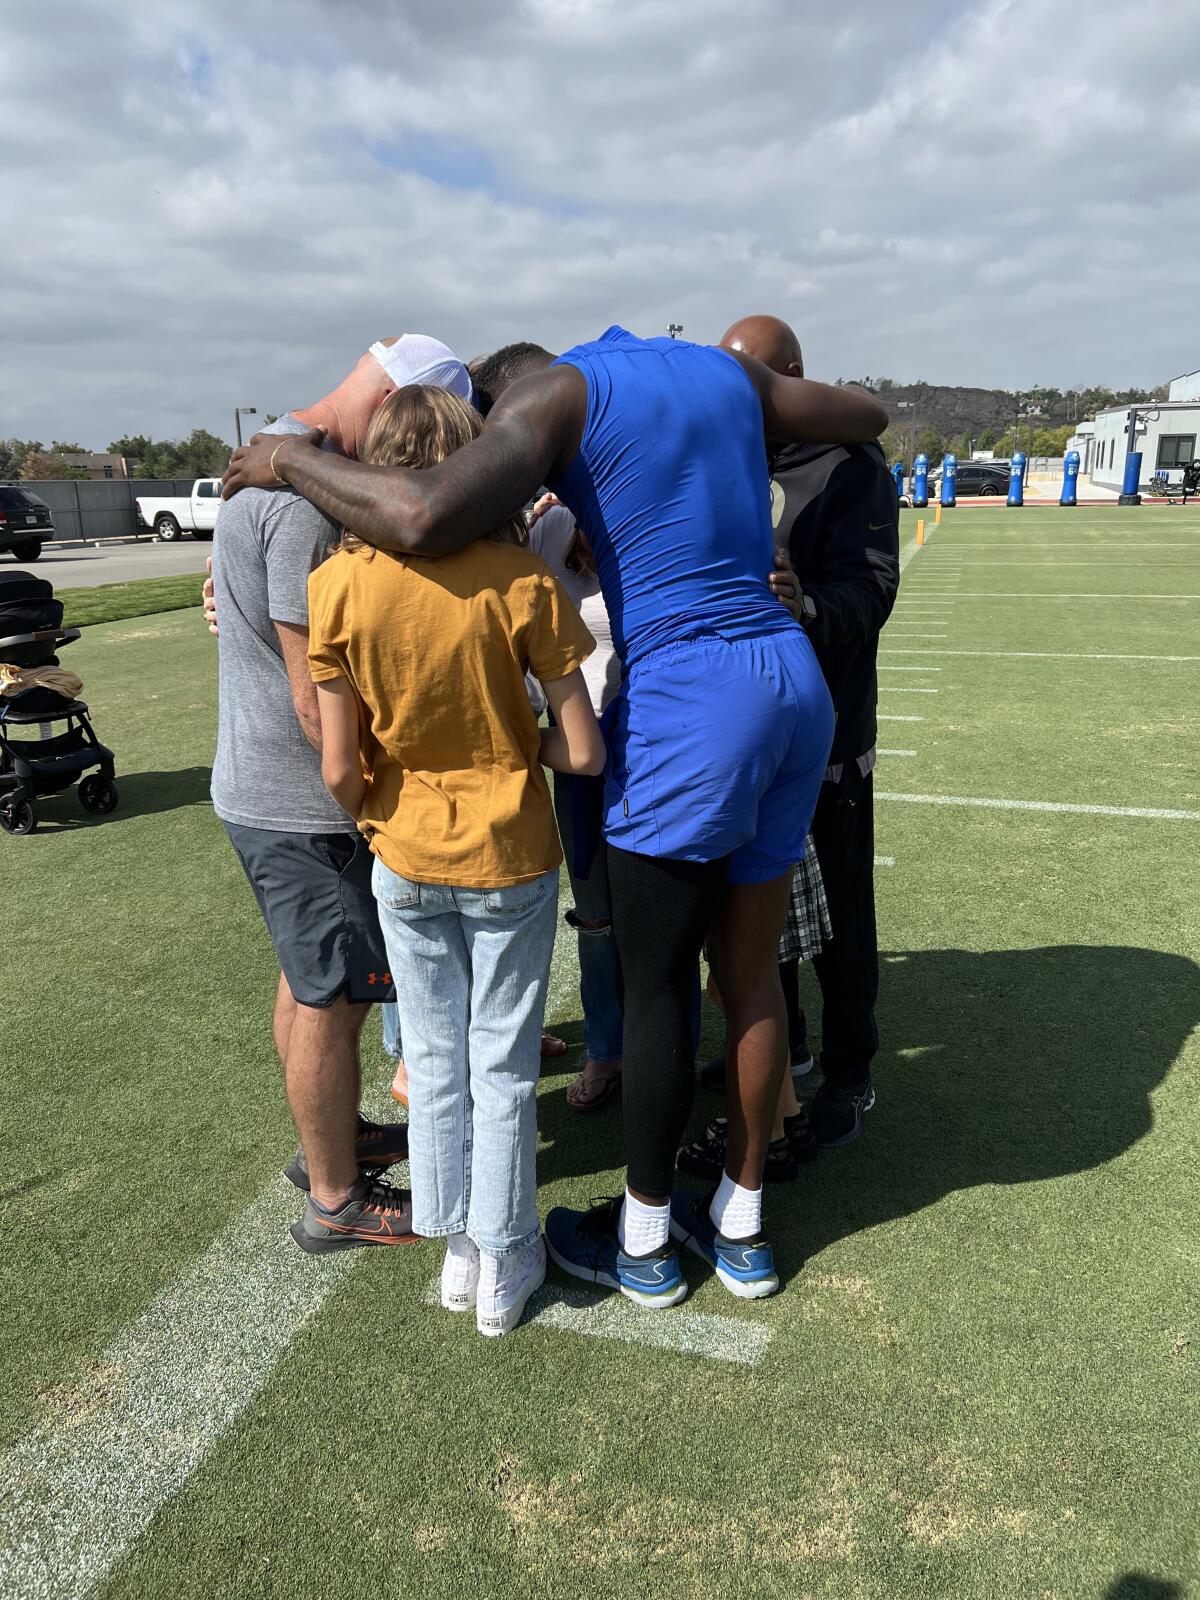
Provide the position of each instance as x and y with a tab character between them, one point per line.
585	1244
745	1266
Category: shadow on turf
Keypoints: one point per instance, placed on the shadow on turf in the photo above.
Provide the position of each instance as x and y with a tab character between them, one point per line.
1002	1068
999	1068
1137	1586
140	794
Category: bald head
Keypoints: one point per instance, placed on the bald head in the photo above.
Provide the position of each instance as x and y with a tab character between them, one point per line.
769	340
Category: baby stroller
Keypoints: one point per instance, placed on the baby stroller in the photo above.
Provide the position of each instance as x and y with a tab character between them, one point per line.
34	760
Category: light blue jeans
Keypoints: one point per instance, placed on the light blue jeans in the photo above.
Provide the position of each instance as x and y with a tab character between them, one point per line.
471	969
393	1044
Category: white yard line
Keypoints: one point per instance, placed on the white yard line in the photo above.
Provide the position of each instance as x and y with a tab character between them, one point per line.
882	718
896	752
1047	594
79	1489
885	861
1153	813
1032	655
570	1308
885	668
892	688
1058	566
923	635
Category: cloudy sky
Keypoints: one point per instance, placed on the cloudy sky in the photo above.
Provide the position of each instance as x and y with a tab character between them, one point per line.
223	203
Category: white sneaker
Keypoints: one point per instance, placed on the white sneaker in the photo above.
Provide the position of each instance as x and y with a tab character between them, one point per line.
505	1283
460	1273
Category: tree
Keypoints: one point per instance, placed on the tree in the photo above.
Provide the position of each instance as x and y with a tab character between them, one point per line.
931	442
895	442
200	455
13	453
203	455
40	465
136	445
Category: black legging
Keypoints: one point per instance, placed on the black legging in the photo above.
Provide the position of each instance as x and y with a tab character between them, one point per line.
661	913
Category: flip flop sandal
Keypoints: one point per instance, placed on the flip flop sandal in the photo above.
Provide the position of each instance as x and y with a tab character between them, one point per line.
705	1157
400	1096
552	1045
606	1082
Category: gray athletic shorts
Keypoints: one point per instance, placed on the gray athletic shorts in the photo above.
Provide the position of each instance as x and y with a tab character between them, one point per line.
314	892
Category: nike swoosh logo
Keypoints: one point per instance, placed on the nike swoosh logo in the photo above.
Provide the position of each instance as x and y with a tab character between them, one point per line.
877	527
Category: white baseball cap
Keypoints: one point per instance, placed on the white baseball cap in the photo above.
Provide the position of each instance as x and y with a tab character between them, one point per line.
416	358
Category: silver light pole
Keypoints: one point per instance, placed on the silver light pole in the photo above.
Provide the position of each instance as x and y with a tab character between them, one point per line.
239	413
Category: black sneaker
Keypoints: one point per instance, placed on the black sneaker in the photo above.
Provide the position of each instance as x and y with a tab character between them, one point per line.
705	1156
836	1114
379	1145
712	1073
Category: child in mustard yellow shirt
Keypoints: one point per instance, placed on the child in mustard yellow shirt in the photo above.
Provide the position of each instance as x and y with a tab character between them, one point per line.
428	738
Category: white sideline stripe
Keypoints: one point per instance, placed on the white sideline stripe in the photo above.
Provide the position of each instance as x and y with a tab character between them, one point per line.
1154	813
571	1309
892	688
1057	566
924	635
885	861
914	652
1032	655
882	718
1047	594
75	1493
895	752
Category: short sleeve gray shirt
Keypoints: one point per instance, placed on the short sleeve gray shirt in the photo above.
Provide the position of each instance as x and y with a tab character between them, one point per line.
266	774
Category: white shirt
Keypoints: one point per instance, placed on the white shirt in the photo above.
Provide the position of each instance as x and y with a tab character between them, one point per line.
551	537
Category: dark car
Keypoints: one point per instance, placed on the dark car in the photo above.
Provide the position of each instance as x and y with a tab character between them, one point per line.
975	477
25	522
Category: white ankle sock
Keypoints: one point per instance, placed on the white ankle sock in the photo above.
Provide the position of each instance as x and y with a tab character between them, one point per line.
736	1212
643	1228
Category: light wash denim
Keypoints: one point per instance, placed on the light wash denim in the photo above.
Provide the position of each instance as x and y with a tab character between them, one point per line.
471	969
579	807
393	1044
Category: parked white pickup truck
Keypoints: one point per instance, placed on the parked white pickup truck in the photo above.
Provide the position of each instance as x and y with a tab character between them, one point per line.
173	515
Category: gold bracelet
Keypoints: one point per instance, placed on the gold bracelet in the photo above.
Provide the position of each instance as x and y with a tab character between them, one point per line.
275	474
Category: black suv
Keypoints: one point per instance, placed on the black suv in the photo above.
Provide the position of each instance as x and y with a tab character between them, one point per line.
974	477
25	522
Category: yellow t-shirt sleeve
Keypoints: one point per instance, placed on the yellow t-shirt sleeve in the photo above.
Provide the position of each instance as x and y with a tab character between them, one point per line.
326	625
559	640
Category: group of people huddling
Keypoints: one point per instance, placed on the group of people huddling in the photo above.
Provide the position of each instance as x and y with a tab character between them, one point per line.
657	569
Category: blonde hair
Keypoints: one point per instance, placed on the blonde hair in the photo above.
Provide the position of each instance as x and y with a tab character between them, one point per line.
419	427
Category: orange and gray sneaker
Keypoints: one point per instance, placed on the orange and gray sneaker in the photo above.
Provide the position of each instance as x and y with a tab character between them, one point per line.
375	1213
378	1146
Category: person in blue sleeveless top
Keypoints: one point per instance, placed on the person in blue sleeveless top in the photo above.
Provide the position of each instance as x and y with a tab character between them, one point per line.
718	740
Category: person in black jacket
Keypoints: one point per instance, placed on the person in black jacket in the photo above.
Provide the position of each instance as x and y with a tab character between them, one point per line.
836	515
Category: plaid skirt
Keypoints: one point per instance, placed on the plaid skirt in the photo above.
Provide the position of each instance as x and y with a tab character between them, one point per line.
807	926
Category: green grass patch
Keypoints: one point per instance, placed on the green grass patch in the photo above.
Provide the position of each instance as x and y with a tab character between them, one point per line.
141	597
982	1376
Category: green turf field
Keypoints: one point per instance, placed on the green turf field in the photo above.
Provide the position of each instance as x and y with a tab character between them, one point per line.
981	1378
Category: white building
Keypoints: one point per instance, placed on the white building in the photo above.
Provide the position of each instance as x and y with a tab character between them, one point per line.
1167	432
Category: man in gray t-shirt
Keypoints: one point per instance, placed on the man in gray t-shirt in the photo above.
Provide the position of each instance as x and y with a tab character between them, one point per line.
308	865
267	772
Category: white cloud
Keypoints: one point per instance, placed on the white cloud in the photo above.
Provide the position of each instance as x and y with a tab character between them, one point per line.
223	205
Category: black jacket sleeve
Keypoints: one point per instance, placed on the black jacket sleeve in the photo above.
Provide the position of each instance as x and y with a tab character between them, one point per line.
860	536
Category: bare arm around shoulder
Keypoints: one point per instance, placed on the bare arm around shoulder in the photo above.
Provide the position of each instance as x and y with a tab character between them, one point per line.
800	411
341	761
532	432
293	641
576	744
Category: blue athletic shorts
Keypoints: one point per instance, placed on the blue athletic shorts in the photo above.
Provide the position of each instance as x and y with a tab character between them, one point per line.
718	748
